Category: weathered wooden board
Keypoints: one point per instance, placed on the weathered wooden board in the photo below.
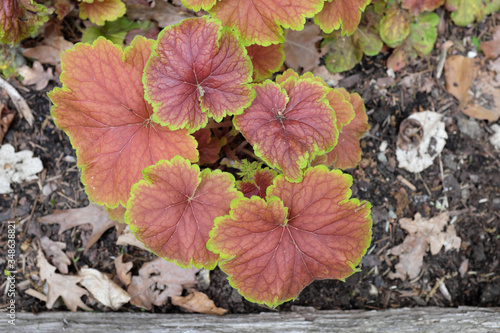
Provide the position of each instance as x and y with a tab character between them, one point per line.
431	319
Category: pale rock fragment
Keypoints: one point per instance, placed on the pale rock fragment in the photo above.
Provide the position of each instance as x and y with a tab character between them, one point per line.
17	167
418	157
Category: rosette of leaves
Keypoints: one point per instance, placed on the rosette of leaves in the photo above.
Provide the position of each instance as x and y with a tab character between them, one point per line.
198	69
130	114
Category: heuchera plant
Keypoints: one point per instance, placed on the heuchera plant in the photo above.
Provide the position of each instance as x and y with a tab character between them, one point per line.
141	121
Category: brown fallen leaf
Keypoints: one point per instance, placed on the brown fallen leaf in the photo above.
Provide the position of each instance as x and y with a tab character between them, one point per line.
332	79
128	238
6	118
18	100
95	215
123	270
300	48
477	92
491	48
64	286
50	50
460	72
36	75
163	12
486	104
197	302
422	236
104	290
55	250
157	281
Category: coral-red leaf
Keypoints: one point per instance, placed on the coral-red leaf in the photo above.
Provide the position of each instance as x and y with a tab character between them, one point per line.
173	210
261	21
197	69
262	179
289	123
101	107
341	13
347	152
271	249
100	11
266	60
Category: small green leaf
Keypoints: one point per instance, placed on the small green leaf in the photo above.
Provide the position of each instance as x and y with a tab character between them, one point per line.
394	27
342	53
369	41
424	33
115	31
477	43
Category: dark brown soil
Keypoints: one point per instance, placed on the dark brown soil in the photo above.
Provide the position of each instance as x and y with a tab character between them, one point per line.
470	181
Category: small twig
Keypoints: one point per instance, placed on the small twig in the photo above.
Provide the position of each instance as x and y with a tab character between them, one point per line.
18	101
434	289
31	214
407	183
425	185
446	205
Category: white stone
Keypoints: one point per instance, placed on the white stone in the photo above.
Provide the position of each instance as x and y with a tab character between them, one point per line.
17	167
419	158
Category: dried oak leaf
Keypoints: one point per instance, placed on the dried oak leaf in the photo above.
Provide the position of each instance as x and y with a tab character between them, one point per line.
128	238
123	270
158	280
95	215
64	286
271	249
104	290
300	48
162	12
36	75
50	50
197	302
422	236
173	210
55	250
